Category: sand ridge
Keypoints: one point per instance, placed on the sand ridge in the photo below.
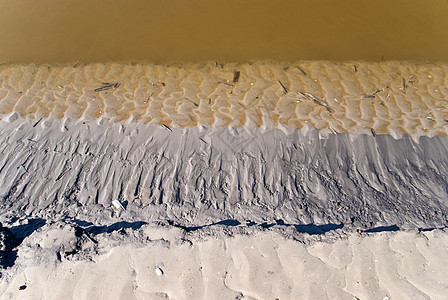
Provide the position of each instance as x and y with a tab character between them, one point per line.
382	97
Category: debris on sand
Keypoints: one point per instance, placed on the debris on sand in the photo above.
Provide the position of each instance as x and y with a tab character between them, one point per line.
317	100
118	205
236	76
107	86
159	272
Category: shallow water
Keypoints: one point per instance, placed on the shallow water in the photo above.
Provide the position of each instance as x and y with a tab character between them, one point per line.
98	31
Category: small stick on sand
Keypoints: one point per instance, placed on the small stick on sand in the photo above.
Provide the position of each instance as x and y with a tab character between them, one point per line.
236	76
373	132
226	83
166	127
194	103
317	100
35	124
285	90
89	238
302	70
373	94
107	86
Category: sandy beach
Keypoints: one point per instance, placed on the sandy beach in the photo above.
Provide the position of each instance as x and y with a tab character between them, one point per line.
262	180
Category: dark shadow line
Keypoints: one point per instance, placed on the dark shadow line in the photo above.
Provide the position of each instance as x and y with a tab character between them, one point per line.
94	230
391	228
304	228
13	237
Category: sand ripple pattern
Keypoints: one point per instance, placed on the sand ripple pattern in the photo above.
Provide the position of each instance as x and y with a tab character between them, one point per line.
388	97
256	265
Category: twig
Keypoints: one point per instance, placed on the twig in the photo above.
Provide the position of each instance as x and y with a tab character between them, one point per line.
405	86
373	94
302	70
107	86
236	76
166	127
35	124
226	83
89	238
194	103
285	90
317	100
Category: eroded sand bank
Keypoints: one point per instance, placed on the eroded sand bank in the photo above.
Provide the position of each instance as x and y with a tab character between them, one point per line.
197	176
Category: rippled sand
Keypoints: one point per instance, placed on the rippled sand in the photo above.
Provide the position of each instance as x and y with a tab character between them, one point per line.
383	97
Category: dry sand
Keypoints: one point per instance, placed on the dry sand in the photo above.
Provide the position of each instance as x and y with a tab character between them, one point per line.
261	264
308	180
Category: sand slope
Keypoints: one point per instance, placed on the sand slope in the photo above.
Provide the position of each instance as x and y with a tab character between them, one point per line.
199	176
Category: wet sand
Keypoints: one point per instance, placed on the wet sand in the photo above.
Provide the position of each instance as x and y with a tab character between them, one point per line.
357	97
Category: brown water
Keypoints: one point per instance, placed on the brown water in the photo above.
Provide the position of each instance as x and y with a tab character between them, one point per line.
227	30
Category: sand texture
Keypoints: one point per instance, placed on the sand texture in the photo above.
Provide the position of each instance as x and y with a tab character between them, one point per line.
389	97
196	176
311	180
262	264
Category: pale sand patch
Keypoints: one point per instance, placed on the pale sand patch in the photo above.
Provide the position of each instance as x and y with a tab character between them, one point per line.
388	97
266	265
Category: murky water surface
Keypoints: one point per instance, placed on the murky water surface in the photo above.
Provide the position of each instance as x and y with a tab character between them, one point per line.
230	30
